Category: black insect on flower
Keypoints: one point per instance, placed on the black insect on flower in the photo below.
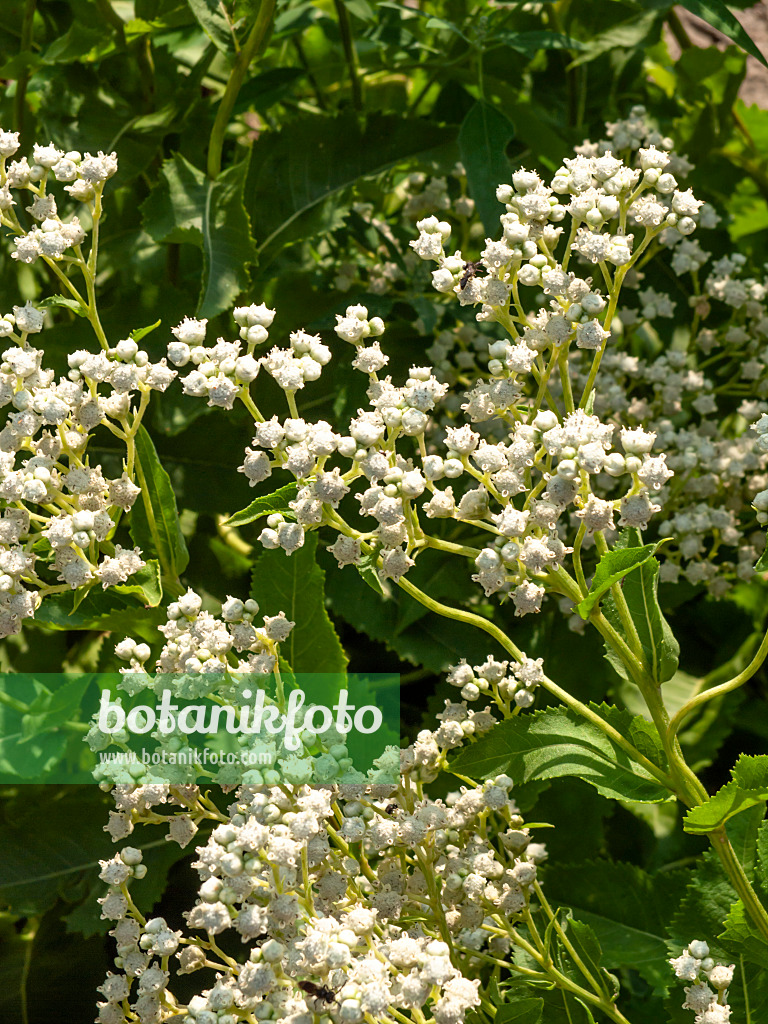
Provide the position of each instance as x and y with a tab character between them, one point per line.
322	993
470	269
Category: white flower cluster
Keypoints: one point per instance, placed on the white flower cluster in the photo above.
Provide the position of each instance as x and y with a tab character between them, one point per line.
707	995
58	502
85	176
513	687
323	886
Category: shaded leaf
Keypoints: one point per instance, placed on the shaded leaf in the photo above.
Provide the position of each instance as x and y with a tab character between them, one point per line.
214	22
483	138
315	159
186	206
521	1011
294	584
626	909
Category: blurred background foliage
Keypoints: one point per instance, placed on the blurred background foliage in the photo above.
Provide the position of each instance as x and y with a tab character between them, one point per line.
254	140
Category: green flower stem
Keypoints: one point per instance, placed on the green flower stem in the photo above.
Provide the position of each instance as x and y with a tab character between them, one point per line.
718	691
565	379
447	545
257	39
459	615
552	915
565	983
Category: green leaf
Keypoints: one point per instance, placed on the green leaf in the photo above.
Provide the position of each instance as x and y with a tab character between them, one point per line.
186	206
612	567
661	650
295	584
50	845
369	573
266	505
142	332
747	788
720	16
625	35
155	523
530	43
61	300
553	743
762	563
740	931
214	22
145	583
762	854
483	138
315	159
52	709
521	1011
626	909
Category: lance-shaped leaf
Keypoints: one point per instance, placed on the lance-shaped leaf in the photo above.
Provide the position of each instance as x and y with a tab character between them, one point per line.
720	16
613	567
748	788
186	206
483	138
155	523
211	17
661	651
266	505
553	743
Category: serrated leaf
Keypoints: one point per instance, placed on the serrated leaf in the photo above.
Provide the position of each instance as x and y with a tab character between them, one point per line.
720	16
295	585
186	206
155	523
214	22
625	34
266	505
483	138
612	567
747	788
521	1011
553	743
316	159
740	932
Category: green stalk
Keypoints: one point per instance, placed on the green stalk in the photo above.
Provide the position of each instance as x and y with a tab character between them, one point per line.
254	44
470	619
19	102
350	55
